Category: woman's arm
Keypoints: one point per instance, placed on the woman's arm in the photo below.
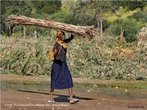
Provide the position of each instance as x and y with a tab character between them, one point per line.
55	52
69	39
55	49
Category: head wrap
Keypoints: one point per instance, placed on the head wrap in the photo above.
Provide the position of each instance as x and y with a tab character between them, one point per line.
58	33
60	42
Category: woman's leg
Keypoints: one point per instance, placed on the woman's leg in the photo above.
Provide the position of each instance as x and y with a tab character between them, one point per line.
52	90
71	99
70	93
51	94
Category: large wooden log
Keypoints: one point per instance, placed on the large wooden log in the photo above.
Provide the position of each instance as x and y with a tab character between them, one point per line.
85	31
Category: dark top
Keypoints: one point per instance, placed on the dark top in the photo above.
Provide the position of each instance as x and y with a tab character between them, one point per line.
60	52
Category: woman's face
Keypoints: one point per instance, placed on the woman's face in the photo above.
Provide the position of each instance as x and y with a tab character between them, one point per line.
61	37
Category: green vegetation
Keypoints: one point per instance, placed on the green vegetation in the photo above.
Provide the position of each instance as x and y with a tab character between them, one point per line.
130	29
104	57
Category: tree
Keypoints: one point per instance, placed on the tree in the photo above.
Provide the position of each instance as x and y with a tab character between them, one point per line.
28	8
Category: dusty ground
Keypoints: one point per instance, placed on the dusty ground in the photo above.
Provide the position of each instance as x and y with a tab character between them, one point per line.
18	99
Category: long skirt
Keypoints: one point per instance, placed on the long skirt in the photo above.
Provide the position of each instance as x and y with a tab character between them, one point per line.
60	76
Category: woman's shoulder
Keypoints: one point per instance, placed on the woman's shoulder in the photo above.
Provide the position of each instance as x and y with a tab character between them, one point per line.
56	43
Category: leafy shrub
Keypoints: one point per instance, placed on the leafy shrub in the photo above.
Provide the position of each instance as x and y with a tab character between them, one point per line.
116	29
25	58
130	30
130	27
140	16
92	59
59	16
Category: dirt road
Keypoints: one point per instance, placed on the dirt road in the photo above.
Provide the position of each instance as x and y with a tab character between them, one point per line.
31	99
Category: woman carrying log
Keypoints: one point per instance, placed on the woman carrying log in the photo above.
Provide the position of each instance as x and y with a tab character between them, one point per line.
60	74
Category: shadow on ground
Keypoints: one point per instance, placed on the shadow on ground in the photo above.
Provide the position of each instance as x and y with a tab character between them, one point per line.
59	98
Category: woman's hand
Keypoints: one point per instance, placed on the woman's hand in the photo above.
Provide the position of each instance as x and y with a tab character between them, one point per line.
72	36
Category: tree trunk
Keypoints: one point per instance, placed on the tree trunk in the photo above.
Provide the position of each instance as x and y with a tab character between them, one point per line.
101	27
24	32
85	31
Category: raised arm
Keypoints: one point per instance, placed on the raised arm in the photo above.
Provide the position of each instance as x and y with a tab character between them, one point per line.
69	39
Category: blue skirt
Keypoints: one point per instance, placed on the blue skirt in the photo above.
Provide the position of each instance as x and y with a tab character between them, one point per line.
60	76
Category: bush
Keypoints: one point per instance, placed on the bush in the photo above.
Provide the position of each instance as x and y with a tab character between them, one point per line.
26	58
130	27
130	30
116	29
140	16
59	16
92	59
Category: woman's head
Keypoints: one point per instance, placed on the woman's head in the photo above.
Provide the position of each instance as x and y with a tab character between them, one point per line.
60	35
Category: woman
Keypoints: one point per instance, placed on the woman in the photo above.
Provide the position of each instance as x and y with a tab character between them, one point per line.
60	74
